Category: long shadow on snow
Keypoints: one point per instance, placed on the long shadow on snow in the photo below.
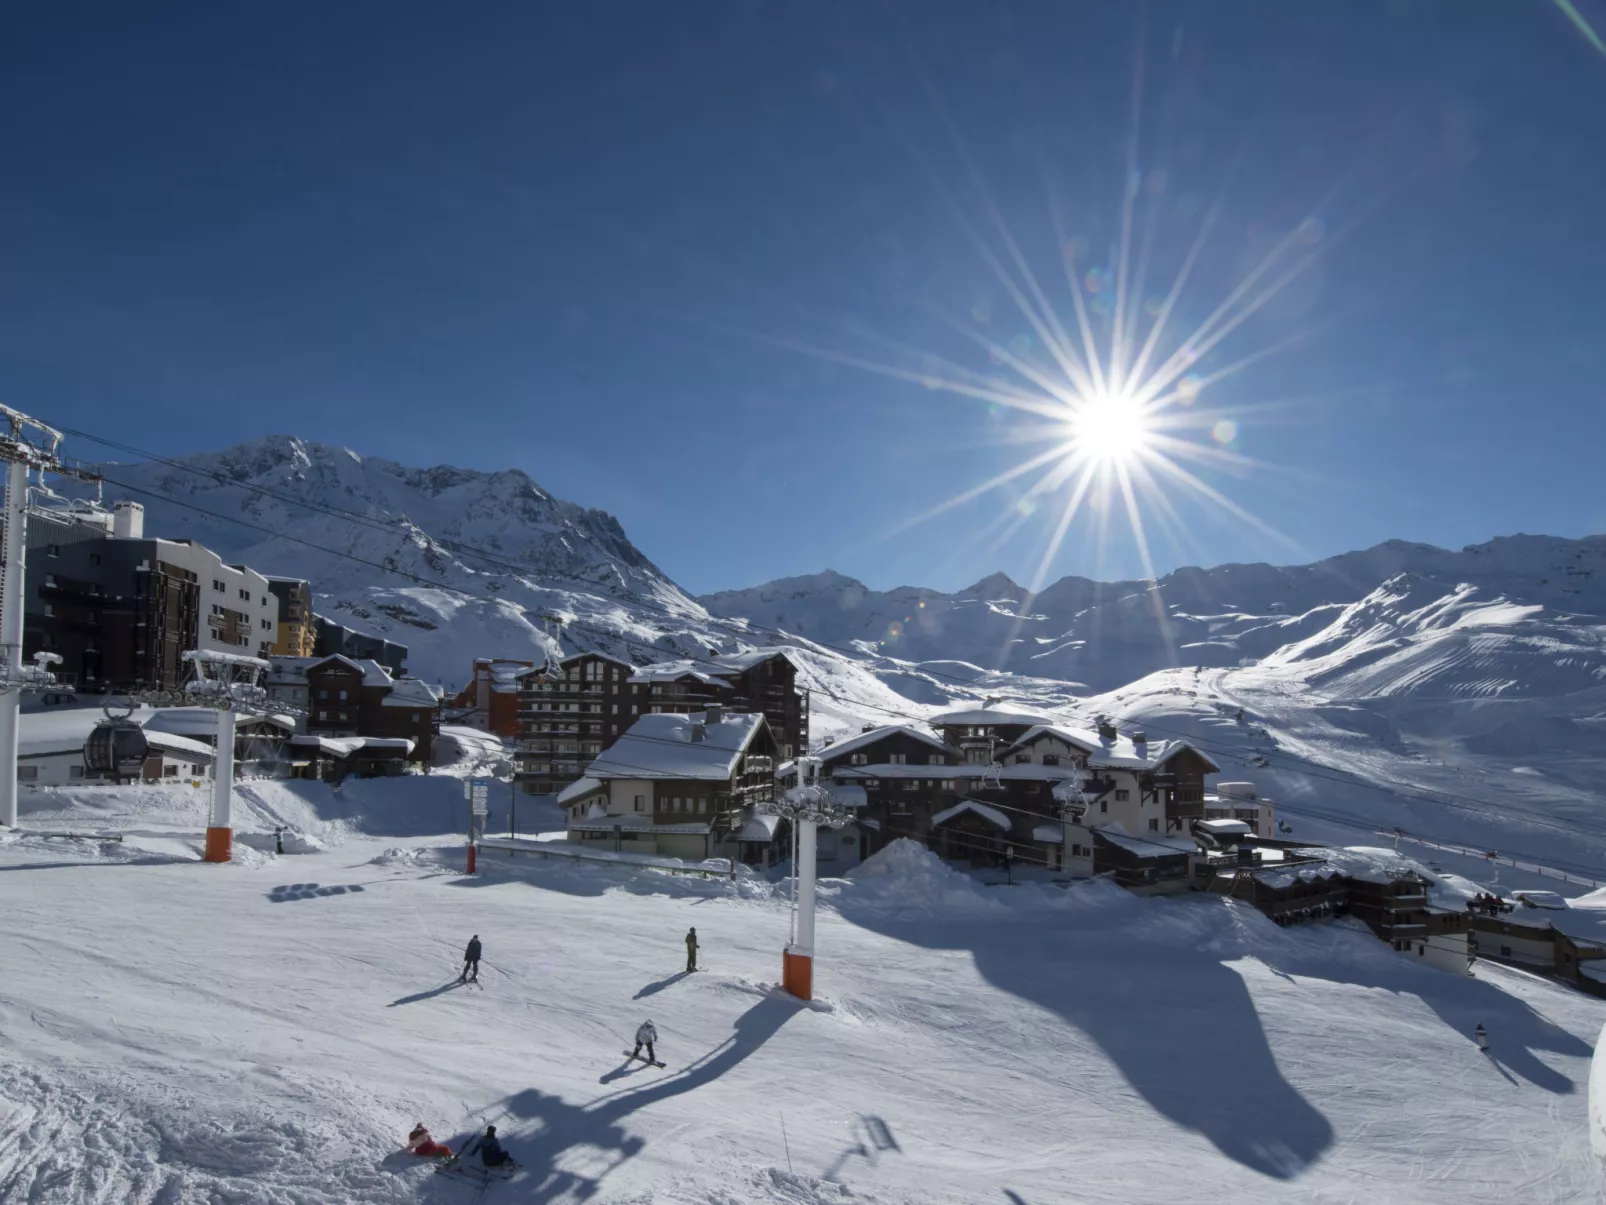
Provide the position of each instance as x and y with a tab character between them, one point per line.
1179	1023
549	1128
1149	981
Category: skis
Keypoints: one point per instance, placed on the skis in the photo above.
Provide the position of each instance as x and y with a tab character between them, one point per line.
629	1055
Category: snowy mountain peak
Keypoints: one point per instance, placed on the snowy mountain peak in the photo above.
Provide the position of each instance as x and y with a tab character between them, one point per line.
996	586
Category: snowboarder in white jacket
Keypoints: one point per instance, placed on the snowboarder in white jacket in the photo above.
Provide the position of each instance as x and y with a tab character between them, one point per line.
1482	1036
645	1036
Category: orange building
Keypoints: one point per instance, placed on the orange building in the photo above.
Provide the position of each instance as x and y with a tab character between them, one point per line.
492	695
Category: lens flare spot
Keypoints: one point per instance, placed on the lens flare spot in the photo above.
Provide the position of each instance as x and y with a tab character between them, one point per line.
894	630
1025	508
1225	431
1188	389
1311	231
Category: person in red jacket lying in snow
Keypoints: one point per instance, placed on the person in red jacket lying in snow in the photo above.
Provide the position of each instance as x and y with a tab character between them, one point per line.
420	1143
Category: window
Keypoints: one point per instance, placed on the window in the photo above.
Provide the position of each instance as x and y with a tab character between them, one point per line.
933	759
416	717
27	773
898	759
1505	951
616	709
702	805
245	594
1422	950
634	710
94	558
1023	759
75	771
169	771
1154	826
1122	796
641	803
911	784
219	586
342	696
323	716
49	610
1104	805
323	694
55	550
859	759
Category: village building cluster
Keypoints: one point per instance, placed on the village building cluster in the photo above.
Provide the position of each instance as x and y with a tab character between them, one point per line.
686	757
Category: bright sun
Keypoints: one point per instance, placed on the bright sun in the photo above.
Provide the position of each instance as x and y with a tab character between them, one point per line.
1108	428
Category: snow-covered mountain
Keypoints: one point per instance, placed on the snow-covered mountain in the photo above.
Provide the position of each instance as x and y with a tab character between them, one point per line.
1105	634
452	562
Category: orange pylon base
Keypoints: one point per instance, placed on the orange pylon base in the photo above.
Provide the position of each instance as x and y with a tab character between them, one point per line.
797	974
219	845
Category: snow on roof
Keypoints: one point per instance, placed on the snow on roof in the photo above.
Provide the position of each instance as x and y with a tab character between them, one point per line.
758	827
1372	864
1019	771
970	805
1540	899
577	789
410	692
202	721
596	820
1594	968
1122	753
1214	803
674	671
345	746
373	673
737	662
64	730
1144	847
983	716
1049	834
1223	828
831	752
660	746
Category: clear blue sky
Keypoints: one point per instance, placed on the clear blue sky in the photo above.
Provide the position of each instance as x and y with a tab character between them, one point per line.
578	239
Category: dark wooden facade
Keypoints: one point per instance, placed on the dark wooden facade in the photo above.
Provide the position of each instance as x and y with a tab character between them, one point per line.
900	799
765	685
119	617
567	716
344	700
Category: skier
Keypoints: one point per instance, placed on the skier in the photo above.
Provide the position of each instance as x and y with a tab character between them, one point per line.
1482	1036
278	839
490	1150
471	961
645	1036
421	1144
691	950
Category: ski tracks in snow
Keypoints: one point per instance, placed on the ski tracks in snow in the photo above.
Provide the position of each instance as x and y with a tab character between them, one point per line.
78	1144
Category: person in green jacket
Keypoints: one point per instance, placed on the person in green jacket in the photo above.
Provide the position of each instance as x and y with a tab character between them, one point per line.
691	950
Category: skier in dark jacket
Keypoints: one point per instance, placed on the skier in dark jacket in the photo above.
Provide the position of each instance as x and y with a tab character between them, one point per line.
691	950
471	961
490	1150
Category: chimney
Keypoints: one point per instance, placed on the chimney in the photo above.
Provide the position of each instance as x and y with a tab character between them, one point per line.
1106	729
1141	740
867	728
714	713
128	521
697	731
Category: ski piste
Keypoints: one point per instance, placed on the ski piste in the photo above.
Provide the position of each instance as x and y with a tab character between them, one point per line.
633	1057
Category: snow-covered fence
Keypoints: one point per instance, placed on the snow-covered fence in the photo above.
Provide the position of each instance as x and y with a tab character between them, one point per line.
558	849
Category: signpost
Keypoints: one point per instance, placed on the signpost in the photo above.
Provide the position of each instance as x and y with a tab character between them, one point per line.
478	793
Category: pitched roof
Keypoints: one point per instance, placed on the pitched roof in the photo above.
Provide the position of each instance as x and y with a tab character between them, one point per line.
831	752
1118	754
970	805
981	716
660	746
578	789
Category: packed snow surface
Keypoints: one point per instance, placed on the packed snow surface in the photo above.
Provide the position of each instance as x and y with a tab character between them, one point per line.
268	1031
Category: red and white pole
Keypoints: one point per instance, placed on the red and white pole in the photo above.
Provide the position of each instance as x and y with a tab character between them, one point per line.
220	829
797	963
